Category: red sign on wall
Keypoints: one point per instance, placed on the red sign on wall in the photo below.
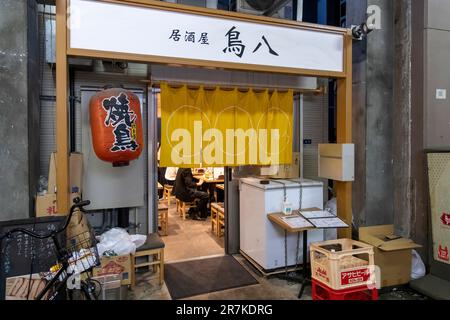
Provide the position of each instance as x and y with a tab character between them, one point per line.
446	219
443	253
355	276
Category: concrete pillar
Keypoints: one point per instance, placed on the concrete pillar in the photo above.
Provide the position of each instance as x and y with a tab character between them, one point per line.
419	214
403	191
19	107
410	181
390	186
372	116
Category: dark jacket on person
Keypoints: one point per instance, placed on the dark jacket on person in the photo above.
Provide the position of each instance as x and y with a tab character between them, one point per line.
185	185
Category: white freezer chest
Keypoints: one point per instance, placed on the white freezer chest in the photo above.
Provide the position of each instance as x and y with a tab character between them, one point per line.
262	240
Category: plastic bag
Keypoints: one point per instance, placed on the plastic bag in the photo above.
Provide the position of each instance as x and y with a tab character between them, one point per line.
42	185
120	242
418	269
331	206
138	239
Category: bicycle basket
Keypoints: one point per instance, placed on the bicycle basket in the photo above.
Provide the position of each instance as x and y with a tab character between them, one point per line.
82	253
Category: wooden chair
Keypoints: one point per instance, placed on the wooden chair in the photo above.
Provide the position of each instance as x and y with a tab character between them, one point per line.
167	193
221	220
217	218
163	218
214	216
183	206
153	249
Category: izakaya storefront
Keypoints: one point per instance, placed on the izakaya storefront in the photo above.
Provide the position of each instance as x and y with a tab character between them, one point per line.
220	119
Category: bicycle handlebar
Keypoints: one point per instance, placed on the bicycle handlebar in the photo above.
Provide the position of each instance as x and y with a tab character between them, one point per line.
79	205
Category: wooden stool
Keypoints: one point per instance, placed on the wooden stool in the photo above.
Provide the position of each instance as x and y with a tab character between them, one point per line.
153	249
163	218
214	215
181	207
217	218
167	192
221	220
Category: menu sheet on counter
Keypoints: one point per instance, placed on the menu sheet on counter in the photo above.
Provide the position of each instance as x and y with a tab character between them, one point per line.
317	214
326	223
297	222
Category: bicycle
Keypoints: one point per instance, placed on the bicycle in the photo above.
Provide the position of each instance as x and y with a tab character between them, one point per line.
78	256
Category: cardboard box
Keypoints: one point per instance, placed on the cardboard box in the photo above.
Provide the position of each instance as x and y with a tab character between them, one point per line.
52	174
337	162
75	173
45	205
20	288
115	265
392	254
78	231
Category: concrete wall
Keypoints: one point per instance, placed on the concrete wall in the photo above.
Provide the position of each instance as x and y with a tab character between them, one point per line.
18	115
437	71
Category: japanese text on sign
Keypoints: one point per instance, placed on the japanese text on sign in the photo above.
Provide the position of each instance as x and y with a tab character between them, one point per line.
234	42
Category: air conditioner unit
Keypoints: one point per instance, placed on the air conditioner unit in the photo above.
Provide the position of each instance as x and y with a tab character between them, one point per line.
212	4
245	6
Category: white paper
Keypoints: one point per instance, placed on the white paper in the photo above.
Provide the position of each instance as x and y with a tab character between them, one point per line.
328	223
297	222
317	214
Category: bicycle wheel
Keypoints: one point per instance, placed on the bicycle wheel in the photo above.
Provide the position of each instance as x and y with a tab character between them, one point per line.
91	289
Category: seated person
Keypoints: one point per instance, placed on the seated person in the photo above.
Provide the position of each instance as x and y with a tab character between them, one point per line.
170	175
185	189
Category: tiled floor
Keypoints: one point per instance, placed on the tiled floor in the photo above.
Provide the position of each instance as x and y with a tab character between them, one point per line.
267	289
271	288
193	239
189	239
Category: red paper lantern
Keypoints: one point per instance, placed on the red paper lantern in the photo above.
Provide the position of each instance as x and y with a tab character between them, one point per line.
116	125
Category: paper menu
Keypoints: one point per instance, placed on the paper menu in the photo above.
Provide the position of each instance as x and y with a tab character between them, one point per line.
317	214
324	223
297	222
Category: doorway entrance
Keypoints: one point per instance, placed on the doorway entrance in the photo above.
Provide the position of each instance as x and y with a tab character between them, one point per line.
193	227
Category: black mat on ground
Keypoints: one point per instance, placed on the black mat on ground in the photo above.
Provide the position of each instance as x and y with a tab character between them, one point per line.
192	278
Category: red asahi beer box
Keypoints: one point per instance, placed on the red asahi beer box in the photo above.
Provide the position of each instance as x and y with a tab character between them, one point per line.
343	264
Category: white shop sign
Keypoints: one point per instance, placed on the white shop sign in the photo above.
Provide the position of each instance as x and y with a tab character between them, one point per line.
110	27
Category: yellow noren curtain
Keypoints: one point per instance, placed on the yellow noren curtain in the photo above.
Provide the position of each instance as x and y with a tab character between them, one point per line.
220	127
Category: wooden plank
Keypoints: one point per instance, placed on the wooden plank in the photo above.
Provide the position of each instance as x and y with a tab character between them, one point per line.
62	127
344	135
143	58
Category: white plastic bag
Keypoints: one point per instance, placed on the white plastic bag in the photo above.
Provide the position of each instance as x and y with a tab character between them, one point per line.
331	206
418	269
119	241
138	239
